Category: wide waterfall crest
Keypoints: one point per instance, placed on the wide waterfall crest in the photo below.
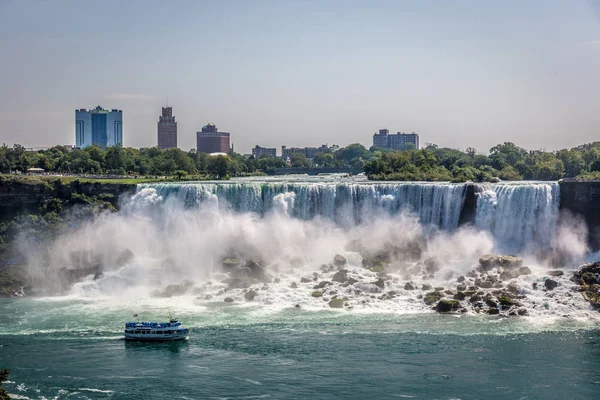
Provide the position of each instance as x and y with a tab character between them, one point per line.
347	203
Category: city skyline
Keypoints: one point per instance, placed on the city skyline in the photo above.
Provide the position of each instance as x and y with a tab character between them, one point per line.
461	74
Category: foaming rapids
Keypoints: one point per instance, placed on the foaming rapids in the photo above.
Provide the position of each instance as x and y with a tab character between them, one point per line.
360	247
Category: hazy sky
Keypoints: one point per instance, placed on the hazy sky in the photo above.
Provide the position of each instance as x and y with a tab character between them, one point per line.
301	73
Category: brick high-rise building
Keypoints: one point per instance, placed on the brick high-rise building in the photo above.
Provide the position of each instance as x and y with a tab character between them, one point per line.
398	141
210	140
167	129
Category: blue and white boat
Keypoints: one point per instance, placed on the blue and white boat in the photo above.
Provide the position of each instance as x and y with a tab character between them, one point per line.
155	331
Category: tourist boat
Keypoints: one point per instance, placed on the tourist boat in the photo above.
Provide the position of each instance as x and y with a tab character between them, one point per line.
155	331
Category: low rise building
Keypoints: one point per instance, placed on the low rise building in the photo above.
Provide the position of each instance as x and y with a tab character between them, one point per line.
309	152
258	151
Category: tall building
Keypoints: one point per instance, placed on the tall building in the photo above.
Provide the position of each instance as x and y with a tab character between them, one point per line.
380	140
167	129
260	151
398	141
98	126
309	152
210	140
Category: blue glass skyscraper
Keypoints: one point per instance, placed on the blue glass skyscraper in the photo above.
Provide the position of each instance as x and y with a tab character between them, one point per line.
98	126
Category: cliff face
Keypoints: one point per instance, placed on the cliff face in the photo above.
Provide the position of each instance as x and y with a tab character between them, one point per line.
582	198
26	195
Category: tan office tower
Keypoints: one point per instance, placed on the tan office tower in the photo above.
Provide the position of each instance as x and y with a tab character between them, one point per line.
167	129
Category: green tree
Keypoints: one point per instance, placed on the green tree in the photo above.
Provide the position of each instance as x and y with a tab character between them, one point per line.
509	173
299	160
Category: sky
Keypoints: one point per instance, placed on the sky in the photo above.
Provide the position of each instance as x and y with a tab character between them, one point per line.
305	73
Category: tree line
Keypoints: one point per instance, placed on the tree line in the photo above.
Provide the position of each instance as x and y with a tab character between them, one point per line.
505	161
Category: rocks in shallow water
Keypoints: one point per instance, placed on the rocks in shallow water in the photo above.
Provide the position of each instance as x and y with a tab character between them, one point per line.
493	311
491	303
231	262
336	303
550	284
322	284
588	279
513	288
461	287
176	290
444	306
506	301
475	298
317	293
341	276
250	295
339	260
380	283
524	271
432	297
426	286
555	273
432	265
228	300
409	286
490	261
459	296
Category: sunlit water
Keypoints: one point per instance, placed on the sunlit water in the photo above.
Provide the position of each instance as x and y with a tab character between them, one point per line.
287	344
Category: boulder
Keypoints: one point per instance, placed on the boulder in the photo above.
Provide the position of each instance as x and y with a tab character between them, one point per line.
513	288
432	297
380	283
409	286
524	271
444	306
459	296
228	300
491	303
493	311
490	261
341	276
426	286
475	298
231	262
460	279
317	293
550	284
506	301
555	273
339	260
305	280
294	285
462	287
486	284
336	303
176	290
258	271
432	265
250	295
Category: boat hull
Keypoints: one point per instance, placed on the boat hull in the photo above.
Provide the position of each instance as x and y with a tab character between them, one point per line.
157	337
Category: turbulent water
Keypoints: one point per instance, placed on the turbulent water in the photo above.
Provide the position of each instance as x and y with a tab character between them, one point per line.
288	343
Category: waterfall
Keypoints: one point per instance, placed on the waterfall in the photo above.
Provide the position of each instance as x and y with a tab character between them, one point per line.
518	215
347	203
